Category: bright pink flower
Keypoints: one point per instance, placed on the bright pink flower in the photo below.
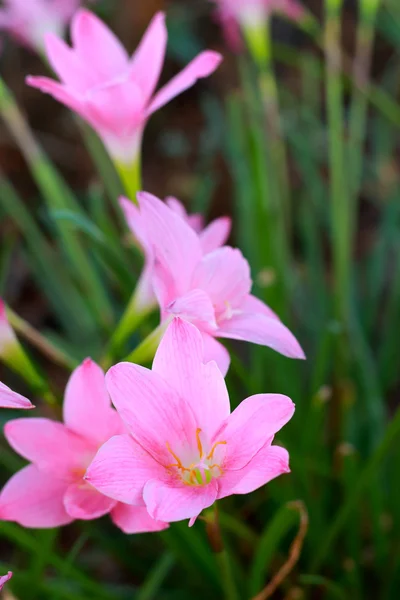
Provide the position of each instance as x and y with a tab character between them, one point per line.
111	91
211	237
29	20
185	450
4	579
10	399
210	289
51	491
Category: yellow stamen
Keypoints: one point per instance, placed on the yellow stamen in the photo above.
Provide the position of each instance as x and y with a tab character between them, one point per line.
211	454
199	445
179	465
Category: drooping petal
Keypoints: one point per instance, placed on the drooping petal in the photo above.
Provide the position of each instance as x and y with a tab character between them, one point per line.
168	503
34	499
215	234
49	445
202	66
251	426
252	304
121	468
180	361
97	46
214	350
4	579
196	307
10	399
135	519
148	59
87	405
82	501
260	329
225	275
168	234
72	71
268	463
153	411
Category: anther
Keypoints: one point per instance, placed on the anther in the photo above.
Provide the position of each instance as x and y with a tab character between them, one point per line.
211	454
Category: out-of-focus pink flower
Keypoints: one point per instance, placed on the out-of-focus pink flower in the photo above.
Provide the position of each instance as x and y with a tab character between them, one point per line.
113	92
10	399
211	237
51	490
185	450
29	20
211	289
8	339
4	579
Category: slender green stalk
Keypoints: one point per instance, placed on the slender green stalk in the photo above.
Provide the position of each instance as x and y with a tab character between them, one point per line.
147	349
131	177
221	554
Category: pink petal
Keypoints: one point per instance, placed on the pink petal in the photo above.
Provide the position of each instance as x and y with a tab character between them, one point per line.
196	307
259	329
97	46
169	235
251	425
4	579
49	445
34	499
10	399
135	519
135	223
87	405
147	61
214	350
215	234
59	92
202	66
153	411
179	360
251	304
82	501
72	71
225	275
121	468
168	503
268	463
195	221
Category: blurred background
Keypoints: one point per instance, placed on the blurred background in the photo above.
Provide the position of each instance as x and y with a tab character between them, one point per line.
323	243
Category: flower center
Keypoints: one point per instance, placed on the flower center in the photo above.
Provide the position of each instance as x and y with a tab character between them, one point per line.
201	471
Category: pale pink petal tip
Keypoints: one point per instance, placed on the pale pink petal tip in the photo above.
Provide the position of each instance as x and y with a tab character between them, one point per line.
207	62
10	399
4	579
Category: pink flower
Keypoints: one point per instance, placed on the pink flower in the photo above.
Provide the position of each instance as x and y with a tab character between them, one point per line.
111	91
10	399
209	287
184	449
211	237
51	491
29	20
4	579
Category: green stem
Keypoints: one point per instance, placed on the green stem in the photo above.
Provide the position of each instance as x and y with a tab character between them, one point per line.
221	555
130	175
146	350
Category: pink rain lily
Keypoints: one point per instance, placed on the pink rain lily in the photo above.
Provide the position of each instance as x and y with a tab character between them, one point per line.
51	490
4	579
211	237
211	289
10	399
185	449
113	92
29	20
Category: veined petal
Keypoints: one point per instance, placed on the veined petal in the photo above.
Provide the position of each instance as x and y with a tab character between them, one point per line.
196	307
179	360
268	463
148	59
82	501
215	234
135	519
10	399
87	405
251	425
155	414
214	350
202	66
170	503
34	499
260	329
49	445
121	468
97	46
